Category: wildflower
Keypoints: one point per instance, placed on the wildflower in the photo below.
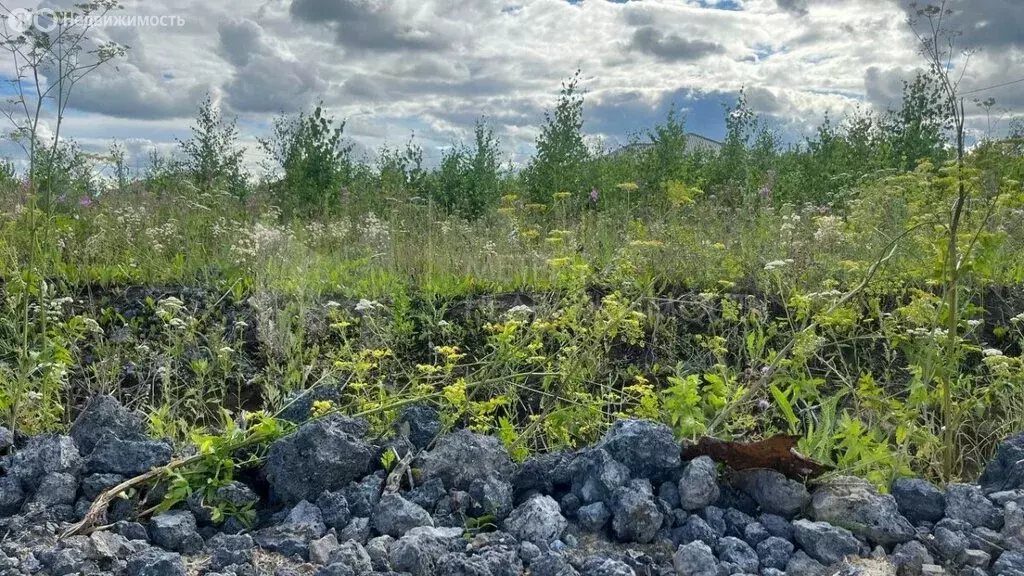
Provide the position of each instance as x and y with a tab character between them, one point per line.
85	202
562	195
594	195
365	305
776	264
333	304
520	310
992	352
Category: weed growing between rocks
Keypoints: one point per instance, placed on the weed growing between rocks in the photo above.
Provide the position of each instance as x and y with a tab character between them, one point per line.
321	502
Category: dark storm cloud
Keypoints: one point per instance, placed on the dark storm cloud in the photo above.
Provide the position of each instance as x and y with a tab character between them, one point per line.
369	25
983	23
795	7
239	40
672	47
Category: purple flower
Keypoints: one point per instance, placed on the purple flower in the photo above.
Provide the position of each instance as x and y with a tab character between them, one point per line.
593	196
85	202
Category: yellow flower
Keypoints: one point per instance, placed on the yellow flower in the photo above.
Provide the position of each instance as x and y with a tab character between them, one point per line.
562	195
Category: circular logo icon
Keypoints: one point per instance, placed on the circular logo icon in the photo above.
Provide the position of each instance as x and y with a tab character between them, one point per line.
45	20
20	20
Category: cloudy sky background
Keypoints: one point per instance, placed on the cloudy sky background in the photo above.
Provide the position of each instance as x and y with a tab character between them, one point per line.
394	67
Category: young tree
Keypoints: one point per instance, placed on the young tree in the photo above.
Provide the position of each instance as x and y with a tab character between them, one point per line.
467	180
315	161
561	150
51	52
666	158
212	156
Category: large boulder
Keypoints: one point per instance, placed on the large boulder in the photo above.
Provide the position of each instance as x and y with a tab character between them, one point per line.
698	486
854	504
918	500
322	455
463	456
42	456
968	503
648	449
596	475
538	520
635	513
104	416
112	455
773	492
176	531
1006	471
823	542
420	423
420	551
395	516
695	559
542	473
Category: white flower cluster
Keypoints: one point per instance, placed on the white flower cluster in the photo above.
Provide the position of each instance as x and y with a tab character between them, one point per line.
375	231
259	241
830	230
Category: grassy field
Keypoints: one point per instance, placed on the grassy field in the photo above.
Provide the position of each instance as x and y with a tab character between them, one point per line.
761	290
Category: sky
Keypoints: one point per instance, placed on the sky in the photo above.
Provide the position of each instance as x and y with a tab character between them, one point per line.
393	68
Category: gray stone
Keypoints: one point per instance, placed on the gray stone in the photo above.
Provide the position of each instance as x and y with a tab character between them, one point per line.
541	473
985	539
1006	471
421	549
695	559
420	424
176	531
490	497
715	517
803	565
358	530
755	533
648	449
427	494
593	517
230	550
635	514
968	503
109	545
363	495
42	456
494	561
825	543
11	496
127	457
335	570
461	457
323	455
668	492
334	510
552	564
538	520
1009	563
96	484
308	518
105	416
773	492
528	552
595	475
854	504
696	529
1013	526
739	553
56	489
236	494
736	522
774	552
353	555
597	566
777	526
977	558
156	563
378	550
918	500
6	440
910	557
698	486
395	516
950	545
320	550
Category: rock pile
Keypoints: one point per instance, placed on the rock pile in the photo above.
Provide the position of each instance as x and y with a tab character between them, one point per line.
626	506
